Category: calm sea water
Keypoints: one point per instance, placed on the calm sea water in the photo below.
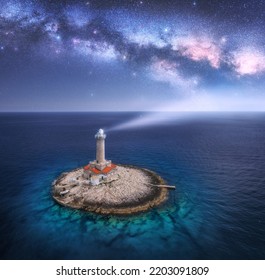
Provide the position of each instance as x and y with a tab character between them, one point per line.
216	161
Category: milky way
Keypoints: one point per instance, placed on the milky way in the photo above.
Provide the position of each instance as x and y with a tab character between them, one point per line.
129	54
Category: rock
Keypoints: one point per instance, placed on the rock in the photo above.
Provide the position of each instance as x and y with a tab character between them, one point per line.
127	190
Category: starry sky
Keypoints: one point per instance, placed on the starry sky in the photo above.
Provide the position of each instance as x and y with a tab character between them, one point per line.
132	55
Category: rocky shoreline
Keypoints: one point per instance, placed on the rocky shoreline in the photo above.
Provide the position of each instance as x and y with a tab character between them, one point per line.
128	190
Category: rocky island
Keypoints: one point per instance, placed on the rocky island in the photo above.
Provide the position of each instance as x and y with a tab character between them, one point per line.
106	188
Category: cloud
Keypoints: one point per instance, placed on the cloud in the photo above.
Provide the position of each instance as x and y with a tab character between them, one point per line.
248	62
167	71
198	49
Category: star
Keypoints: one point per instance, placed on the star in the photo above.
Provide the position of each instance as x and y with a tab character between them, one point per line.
167	43
223	40
76	41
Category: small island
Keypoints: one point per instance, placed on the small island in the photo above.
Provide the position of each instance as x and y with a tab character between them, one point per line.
106	188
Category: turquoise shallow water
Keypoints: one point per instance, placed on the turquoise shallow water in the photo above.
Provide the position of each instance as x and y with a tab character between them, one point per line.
217	211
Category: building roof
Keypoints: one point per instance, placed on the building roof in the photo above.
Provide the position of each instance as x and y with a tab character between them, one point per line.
106	170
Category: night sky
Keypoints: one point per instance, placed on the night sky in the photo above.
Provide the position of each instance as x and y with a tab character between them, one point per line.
132	55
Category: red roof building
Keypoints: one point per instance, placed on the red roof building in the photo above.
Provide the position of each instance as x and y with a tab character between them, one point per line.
96	171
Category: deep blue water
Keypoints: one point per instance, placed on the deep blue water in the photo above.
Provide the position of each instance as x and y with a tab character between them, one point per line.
216	161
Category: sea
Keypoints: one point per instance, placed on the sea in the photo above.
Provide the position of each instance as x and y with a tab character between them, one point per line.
215	160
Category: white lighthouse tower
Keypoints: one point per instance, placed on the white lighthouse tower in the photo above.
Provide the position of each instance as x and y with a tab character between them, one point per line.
100	168
100	163
100	154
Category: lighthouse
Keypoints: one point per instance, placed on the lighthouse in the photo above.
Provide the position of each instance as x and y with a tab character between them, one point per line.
100	166
100	163
100	153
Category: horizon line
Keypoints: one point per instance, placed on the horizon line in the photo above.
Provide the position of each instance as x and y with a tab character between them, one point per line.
139	111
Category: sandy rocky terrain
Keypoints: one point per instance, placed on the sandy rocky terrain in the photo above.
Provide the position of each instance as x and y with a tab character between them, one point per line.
127	190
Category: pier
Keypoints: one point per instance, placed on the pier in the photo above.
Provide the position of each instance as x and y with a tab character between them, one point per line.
164	186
